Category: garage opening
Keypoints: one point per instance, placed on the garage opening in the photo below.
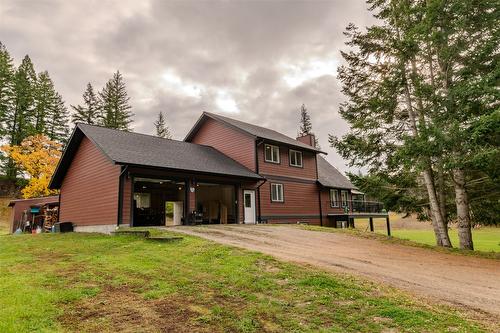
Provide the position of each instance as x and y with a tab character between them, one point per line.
215	203
158	202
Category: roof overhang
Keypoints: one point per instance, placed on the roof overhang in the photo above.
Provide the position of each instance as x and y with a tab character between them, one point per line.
194	172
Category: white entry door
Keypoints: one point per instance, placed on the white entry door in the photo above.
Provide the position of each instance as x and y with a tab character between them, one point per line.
249	204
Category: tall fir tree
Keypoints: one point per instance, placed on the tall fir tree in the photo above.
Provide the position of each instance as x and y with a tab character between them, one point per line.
57	118
88	113
305	125
305	121
19	119
44	95
115	107
416	84
161	127
6	87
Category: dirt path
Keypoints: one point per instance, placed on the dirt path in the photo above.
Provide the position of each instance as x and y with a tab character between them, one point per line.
467	282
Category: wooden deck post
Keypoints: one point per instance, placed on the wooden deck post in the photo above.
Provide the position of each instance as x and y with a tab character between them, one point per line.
371	224
388	225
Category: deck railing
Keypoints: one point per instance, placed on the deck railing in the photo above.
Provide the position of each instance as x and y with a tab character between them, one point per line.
367	207
360	206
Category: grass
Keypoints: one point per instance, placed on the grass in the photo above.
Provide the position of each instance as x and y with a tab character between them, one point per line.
484	239
5	211
91	282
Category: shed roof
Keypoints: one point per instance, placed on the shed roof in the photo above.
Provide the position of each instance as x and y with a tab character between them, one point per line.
254	130
329	176
39	200
130	148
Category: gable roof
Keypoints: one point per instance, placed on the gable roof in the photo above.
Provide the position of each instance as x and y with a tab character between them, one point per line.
253	130
329	176
130	148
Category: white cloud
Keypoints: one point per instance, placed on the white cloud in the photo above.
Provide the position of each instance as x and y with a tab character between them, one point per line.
226	102
297	73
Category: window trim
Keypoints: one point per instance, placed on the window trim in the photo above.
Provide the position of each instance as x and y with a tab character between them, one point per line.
282	192
278	155
335	204
290	158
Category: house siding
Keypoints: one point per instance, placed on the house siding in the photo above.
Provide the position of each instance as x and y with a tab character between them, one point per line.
300	203
127	201
89	191
308	169
231	142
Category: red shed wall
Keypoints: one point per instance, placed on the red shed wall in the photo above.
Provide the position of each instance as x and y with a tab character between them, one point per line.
21	205
89	191
231	142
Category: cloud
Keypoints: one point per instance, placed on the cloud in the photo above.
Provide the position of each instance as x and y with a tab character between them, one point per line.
257	61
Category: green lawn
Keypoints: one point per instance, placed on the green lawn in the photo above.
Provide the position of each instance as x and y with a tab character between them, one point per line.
97	283
485	239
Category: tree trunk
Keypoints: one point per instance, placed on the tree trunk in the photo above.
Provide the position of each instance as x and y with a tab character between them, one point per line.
441	191
463	217
440	228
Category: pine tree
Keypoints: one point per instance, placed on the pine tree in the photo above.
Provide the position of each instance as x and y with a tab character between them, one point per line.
305	121
89	112
6	87
162	129
44	97
57	118
115	108
306	125
19	119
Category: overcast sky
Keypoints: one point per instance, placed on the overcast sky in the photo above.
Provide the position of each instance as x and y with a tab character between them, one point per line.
256	61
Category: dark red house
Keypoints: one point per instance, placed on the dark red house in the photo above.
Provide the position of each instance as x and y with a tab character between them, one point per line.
225	171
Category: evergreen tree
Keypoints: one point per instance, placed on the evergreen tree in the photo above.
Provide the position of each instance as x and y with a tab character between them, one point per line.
306	125
18	121
162	129
416	85
305	121
89	112
115	108
6	87
57	118
44	98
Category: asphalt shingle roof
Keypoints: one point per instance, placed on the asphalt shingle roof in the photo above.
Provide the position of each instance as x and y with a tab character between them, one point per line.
140	149
329	176
260	132
146	150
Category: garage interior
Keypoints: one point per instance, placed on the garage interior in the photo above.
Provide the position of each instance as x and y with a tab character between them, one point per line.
158	202
215	204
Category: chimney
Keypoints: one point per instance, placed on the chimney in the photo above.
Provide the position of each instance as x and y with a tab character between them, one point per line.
308	139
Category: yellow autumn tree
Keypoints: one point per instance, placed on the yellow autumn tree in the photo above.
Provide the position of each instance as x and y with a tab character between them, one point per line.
37	157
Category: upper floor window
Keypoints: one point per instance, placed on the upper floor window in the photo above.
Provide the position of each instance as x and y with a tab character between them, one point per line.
334	198
277	192
272	153
344	195
295	158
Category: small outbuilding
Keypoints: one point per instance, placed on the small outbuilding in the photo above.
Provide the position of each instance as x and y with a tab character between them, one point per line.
29	209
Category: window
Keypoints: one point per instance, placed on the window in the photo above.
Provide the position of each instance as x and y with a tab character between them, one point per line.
334	198
295	158
344	195
272	154
277	192
248	200
142	200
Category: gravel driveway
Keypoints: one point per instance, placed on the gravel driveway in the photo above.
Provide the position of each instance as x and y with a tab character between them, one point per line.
466	281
